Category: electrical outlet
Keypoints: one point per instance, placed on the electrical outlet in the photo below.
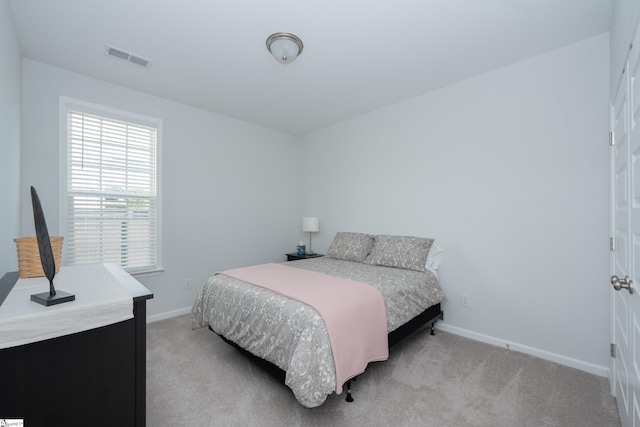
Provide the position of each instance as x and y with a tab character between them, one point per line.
187	284
465	300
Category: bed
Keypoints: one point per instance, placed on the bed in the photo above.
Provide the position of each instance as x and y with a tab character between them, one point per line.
293	337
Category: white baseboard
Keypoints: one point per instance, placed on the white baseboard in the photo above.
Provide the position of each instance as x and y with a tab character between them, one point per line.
168	314
602	371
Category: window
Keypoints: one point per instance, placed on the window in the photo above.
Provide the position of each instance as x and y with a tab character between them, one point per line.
110	187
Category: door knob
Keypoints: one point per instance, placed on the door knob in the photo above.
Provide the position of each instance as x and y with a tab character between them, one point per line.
625	283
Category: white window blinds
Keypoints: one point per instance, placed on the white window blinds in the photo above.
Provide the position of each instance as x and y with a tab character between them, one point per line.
111	192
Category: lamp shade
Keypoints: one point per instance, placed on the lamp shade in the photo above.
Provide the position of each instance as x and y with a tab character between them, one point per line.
311	224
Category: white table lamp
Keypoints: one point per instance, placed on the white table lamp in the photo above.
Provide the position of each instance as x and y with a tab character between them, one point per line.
310	225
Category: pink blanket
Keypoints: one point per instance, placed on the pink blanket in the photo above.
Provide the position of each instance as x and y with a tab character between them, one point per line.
353	313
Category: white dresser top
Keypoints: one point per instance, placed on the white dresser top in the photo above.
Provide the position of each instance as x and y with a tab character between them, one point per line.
100	300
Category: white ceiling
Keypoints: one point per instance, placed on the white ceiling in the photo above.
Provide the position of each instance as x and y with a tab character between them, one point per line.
359	55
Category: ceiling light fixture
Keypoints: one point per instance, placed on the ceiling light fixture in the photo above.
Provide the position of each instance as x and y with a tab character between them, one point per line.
285	47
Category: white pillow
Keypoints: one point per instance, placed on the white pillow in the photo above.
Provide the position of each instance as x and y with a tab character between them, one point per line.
434	257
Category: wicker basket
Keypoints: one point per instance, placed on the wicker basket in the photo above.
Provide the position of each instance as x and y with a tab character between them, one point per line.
29	264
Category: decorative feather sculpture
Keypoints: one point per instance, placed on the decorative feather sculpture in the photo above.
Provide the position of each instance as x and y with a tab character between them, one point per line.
44	243
46	257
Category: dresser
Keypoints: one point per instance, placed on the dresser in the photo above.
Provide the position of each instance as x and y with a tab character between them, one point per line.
82	363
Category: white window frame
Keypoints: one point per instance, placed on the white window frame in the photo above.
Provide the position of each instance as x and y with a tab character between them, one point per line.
67	104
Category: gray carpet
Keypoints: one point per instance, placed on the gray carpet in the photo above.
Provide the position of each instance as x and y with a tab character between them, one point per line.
195	379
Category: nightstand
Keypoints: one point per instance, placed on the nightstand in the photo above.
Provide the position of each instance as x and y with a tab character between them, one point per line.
294	256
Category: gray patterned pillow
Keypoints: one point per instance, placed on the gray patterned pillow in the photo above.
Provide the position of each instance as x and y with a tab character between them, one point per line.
350	246
409	253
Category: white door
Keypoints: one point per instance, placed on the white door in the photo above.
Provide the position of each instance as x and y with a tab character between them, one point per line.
621	268
626	225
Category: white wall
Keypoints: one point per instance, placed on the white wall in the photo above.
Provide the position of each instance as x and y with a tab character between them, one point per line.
509	172
625	14
10	77
228	198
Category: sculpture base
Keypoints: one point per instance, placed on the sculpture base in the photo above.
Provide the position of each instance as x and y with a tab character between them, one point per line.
47	299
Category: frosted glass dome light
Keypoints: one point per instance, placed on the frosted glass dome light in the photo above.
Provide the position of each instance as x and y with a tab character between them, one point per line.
285	47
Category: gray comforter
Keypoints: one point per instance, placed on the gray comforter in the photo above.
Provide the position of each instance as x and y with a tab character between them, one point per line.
291	334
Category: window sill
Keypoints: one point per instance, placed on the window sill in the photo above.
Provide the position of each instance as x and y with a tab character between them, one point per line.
147	273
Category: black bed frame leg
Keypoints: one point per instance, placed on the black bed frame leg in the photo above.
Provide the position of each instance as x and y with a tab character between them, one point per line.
349	397
433	328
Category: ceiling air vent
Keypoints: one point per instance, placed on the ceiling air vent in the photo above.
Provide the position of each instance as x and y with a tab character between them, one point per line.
129	57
